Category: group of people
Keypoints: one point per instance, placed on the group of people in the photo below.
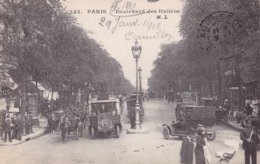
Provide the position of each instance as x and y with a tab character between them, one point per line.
60	119
201	152
13	127
249	135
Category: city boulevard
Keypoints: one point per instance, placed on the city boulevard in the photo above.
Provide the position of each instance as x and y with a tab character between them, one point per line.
146	148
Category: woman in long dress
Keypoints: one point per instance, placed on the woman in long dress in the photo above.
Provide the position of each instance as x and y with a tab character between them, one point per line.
199	149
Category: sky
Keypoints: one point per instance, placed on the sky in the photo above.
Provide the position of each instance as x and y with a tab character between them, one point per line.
116	24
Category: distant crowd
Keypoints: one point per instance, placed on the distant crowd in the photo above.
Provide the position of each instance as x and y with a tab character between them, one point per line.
13	126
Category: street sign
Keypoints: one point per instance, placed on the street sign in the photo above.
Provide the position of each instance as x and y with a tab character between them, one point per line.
5	91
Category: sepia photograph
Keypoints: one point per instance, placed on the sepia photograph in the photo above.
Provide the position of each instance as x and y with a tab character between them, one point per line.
129	81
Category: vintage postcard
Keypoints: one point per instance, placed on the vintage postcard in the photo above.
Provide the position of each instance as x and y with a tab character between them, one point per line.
129	81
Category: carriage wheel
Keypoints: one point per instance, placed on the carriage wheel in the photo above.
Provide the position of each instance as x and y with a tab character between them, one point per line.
93	132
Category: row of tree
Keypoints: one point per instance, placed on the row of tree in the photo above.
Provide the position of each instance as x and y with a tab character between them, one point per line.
43	42
230	40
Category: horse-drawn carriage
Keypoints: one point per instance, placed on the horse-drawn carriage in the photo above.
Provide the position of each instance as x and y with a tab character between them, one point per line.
71	124
66	123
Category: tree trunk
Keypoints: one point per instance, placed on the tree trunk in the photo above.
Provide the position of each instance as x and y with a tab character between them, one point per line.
23	100
38	93
210	88
219	77
51	106
70	95
61	98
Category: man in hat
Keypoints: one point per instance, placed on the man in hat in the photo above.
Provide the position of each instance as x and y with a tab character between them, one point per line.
18	126
7	126
30	119
250	139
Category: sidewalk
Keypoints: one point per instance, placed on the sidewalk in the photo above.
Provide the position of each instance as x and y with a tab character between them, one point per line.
38	131
233	124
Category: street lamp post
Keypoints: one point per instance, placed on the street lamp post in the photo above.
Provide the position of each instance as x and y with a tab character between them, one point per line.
140	79
136	51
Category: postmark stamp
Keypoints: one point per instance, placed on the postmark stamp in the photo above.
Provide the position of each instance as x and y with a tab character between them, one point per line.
216	29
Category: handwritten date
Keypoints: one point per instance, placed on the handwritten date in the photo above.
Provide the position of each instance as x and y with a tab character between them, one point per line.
113	24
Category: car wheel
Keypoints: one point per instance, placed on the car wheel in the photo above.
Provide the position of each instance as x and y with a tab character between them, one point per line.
166	133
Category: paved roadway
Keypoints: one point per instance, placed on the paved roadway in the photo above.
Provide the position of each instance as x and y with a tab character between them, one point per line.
148	148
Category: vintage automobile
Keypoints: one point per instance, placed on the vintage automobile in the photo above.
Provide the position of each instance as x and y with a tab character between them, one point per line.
181	128
104	116
189	114
221	113
209	101
195	114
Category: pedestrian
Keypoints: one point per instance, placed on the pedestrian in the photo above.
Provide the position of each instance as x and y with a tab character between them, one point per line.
187	147
199	149
27	125
51	122
64	124
227	106
17	128
132	117
249	109
30	117
250	139
7	126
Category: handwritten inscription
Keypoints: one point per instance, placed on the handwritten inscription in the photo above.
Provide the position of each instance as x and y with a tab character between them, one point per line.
126	14
109	24
119	6
161	34
117	22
